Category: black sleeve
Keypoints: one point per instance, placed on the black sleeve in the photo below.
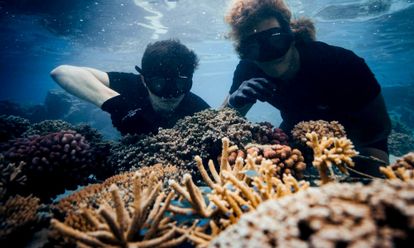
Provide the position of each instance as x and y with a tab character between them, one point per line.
359	83
245	70
123	82
117	107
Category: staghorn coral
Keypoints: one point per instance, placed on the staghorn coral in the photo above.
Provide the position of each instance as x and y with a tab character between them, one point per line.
199	134
334	215
96	194
234	191
63	159
11	178
287	160
321	128
330	151
12	127
402	169
142	224
19	217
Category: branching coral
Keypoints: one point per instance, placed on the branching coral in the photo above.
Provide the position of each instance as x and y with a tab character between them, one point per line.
287	160
11	178
322	128
334	215
18	217
402	169
142	226
235	190
61	159
330	151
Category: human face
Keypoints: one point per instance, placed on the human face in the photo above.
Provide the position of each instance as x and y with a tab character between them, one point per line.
278	67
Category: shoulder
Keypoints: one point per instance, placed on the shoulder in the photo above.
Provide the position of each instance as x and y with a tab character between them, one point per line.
124	83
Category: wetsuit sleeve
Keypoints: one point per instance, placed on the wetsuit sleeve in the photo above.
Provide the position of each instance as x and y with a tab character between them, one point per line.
123	83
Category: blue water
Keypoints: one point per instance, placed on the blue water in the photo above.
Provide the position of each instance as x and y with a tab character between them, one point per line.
36	36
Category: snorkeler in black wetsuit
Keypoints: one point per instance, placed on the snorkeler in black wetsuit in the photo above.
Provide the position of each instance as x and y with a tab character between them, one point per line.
304	79
158	97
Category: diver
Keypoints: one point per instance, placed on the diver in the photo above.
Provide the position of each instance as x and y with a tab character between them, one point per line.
282	64
139	104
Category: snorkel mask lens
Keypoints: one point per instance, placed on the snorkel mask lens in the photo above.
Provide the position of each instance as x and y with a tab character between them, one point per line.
167	87
266	46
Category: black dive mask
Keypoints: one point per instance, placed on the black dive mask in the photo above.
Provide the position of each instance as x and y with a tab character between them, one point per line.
267	45
167	86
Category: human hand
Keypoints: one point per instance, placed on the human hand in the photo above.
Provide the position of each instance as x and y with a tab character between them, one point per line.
250	91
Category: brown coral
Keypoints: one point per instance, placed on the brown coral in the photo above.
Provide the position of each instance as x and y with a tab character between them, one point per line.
330	151
19	216
11	178
141	224
321	128
335	215
402	169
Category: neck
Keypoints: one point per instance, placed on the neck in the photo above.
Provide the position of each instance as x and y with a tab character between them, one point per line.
293	66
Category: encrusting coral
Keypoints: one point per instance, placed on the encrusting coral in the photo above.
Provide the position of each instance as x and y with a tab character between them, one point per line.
321	128
334	215
328	152
234	191
141	225
402	169
62	159
19	217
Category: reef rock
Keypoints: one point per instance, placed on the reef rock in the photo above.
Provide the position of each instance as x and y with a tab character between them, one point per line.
12	127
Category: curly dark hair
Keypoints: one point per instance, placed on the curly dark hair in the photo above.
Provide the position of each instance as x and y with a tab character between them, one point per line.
169	58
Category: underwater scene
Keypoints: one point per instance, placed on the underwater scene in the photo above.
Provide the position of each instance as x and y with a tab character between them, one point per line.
206	123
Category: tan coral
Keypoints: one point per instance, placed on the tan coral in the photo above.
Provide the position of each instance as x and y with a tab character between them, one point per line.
141	224
402	169
11	177
328	152
321	128
334	215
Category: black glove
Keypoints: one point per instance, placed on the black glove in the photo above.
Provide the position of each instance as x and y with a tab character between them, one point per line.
250	91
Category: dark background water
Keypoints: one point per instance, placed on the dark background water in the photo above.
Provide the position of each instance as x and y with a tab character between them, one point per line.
38	35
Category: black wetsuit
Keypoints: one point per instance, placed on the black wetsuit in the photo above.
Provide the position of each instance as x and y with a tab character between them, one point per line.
131	111
332	84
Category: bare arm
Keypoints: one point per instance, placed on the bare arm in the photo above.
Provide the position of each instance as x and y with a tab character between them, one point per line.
89	84
243	110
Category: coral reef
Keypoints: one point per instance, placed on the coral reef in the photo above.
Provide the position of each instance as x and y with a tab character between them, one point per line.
334	215
402	169
19	217
146	226
401	139
287	160
330	151
133	198
264	133
233	191
62	159
46	127
200	134
12	127
321	128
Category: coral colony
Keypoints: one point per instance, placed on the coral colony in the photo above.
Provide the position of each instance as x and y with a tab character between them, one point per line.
213	180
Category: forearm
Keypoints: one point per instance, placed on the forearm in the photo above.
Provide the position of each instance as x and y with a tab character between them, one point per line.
242	111
83	84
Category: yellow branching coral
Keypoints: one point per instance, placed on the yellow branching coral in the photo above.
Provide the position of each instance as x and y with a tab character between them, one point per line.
235	190
141	224
402	169
322	128
328	152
